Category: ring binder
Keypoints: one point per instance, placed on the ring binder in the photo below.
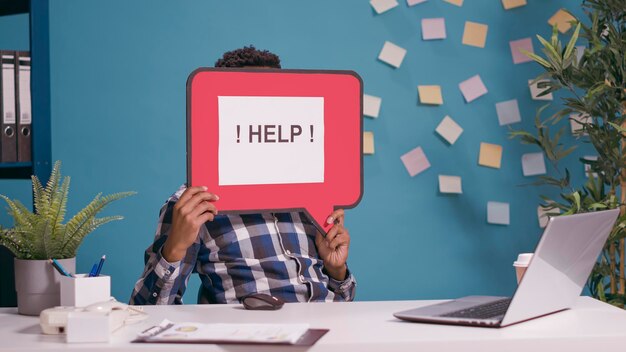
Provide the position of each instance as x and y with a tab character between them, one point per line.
24	109
8	135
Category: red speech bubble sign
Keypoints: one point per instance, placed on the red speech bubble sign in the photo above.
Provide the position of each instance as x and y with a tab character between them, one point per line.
276	140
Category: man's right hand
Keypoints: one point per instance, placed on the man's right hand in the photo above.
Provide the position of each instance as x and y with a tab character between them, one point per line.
191	211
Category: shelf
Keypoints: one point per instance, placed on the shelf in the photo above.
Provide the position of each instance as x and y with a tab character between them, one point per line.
14	7
15	165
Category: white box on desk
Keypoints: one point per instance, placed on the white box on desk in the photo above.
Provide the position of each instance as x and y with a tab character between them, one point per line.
82	290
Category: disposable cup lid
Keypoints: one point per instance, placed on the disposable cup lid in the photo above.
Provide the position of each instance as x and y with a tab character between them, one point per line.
523	259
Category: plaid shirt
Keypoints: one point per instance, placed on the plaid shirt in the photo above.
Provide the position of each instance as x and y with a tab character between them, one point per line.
236	255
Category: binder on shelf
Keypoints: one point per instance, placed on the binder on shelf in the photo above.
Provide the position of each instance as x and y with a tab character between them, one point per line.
24	108
8	135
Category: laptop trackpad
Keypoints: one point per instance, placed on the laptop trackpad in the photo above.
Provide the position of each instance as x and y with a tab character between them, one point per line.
454	305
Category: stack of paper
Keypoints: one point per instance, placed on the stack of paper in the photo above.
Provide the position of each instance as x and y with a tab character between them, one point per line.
508	112
430	95
449	130
392	54
475	34
498	213
415	161
381	6
433	28
371	105
490	155
472	88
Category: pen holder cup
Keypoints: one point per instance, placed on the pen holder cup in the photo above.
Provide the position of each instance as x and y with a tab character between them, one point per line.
82	290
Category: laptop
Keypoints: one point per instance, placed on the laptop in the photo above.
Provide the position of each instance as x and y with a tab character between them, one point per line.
553	281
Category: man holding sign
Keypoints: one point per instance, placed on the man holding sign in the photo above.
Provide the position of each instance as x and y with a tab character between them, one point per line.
281	253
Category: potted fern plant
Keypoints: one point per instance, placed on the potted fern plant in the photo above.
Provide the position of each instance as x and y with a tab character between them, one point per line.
41	235
595	88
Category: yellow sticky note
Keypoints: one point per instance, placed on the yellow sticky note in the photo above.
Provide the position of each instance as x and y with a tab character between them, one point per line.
368	142
490	155
430	95
511	4
455	2
562	20
475	34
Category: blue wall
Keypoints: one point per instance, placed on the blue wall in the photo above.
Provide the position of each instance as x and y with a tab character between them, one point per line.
118	123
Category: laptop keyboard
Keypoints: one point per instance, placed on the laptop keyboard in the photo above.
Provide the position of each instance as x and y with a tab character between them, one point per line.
483	311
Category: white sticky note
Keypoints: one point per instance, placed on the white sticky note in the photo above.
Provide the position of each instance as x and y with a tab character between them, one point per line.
576	122
587	167
535	90
498	213
472	88
449	130
245	141
450	184
381	6
433	28
517	46
533	164
414	2
415	161
508	112
543	215
392	54
371	105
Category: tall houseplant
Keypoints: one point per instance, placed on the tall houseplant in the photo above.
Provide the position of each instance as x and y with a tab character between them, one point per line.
40	235
595	88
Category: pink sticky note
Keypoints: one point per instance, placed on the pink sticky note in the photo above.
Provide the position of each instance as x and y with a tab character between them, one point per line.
433	28
414	2
415	161
516	50
473	88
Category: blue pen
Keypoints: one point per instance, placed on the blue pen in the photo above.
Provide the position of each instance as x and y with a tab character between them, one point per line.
59	267
92	273
100	265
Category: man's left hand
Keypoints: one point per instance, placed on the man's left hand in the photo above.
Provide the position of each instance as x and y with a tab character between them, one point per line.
333	249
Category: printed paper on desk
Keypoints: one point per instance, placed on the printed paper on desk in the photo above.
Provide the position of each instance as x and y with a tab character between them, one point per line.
535	90
508	112
562	20
475	34
381	6
472	88
449	130
392	54
511	4
371	105
261	139
450	184
433	28
430	95
517	46
533	164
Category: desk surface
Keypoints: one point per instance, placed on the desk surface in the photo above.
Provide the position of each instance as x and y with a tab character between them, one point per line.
356	326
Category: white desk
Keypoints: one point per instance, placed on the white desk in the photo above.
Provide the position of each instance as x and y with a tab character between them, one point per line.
358	326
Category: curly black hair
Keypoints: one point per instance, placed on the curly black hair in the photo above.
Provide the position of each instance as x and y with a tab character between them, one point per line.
248	56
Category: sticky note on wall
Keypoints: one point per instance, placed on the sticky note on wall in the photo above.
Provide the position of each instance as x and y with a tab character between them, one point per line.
508	112
414	2
415	161
371	105
490	155
450	184
517	46
368	143
430	95
475	34
533	164
433	28
455	2
543	215
381	6
577	122
472	88
449	130
535	90
562	20
392	54
498	213
511	4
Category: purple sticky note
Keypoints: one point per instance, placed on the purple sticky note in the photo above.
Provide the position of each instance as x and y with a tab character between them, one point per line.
473	88
415	161
433	28
516	50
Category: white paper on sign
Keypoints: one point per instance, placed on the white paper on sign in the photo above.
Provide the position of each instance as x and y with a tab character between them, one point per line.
433	28
450	184
381	6
472	88
371	105
543	215
535	90
392	54
498	213
508	112
449	130
290	129
533	164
